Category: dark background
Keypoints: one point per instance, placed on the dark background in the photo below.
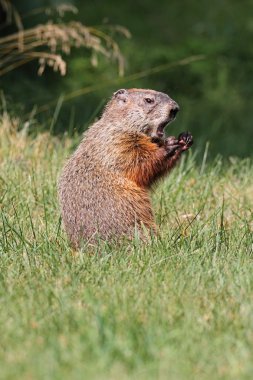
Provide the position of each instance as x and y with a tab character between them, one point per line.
215	93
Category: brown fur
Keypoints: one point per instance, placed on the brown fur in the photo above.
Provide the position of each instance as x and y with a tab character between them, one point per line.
103	189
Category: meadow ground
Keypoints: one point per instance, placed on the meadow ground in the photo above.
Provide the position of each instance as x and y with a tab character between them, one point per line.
178	308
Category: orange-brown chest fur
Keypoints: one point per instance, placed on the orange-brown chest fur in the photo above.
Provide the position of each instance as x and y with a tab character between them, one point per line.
138	158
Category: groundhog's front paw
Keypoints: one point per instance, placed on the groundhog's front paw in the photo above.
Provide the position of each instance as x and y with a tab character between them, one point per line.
185	140
171	145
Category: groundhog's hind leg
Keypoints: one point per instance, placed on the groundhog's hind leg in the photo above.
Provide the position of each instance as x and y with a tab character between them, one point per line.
127	212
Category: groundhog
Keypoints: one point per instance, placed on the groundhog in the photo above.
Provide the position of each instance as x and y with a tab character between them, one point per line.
104	187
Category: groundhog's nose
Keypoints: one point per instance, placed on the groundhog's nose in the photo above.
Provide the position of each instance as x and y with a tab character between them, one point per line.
174	110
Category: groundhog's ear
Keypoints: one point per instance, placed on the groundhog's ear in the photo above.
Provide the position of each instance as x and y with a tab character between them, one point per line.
121	95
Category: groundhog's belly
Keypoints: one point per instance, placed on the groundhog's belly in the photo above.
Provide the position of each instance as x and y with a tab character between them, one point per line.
103	205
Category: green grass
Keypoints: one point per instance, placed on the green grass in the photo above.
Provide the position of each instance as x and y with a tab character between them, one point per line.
178	308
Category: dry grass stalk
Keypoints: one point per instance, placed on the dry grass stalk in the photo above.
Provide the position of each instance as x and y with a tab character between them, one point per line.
12	15
47	43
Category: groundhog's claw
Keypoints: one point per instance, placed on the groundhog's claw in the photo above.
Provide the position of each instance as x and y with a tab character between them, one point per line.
172	145
185	140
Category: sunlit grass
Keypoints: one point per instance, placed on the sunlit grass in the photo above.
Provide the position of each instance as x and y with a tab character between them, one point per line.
178	308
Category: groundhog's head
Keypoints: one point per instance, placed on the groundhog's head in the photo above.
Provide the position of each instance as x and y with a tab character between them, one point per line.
145	111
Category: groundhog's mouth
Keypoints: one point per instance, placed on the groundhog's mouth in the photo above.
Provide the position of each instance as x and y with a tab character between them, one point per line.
158	136
160	132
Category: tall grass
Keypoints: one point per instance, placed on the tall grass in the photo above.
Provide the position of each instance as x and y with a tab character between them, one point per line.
178	308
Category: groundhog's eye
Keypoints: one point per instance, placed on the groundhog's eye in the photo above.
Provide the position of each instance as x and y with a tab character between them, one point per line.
149	100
